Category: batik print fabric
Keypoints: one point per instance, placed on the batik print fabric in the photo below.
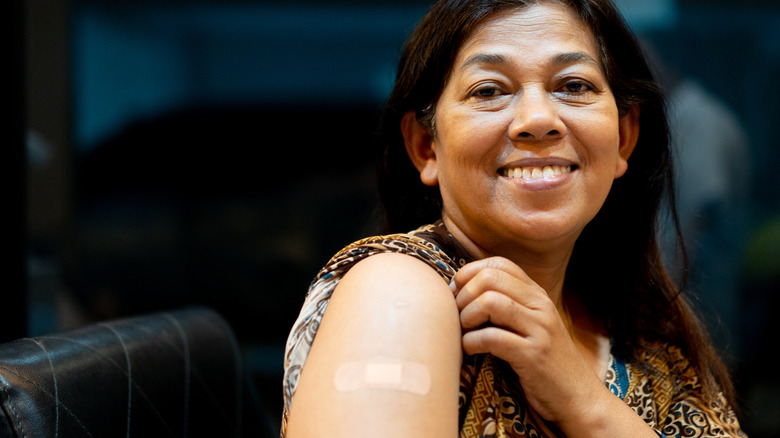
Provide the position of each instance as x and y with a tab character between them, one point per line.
491	401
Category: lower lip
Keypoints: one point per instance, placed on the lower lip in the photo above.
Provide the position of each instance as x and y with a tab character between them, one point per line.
541	184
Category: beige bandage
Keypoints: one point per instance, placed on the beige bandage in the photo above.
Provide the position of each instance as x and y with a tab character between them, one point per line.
383	374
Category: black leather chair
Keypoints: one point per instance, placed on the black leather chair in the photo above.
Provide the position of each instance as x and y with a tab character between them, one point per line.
174	374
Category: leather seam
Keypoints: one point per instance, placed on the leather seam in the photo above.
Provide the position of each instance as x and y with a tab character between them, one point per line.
40	345
128	372
44	391
10	406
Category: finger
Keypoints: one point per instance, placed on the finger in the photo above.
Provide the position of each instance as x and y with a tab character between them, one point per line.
496	309
496	341
486	280
470	270
521	289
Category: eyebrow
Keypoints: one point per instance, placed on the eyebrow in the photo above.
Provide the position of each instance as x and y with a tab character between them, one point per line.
574	58
567	58
484	58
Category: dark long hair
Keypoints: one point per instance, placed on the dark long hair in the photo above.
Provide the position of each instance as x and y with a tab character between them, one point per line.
616	266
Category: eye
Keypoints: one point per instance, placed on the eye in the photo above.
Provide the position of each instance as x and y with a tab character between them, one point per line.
487	92
576	87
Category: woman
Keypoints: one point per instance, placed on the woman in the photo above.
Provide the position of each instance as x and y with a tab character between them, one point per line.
532	136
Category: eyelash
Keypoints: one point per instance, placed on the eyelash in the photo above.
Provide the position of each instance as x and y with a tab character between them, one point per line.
477	93
496	91
585	87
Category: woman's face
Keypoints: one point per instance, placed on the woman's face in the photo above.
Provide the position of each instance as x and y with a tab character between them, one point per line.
527	137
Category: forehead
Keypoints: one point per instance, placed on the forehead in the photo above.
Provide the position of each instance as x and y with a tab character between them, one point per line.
541	27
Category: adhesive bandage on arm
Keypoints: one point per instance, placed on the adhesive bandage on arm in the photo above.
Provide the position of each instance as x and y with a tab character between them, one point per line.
383	374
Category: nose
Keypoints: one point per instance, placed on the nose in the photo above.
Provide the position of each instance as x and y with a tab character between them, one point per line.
536	117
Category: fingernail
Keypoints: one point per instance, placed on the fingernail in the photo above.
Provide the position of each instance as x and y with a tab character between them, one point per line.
452	286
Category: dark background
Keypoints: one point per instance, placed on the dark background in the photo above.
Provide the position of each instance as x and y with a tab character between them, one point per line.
169	153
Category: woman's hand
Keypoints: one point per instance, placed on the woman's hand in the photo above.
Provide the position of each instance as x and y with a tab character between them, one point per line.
505	313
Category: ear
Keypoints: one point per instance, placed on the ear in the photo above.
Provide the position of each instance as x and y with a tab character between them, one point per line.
629	135
419	146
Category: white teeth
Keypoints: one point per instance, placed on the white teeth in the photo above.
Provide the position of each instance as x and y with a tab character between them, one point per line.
536	172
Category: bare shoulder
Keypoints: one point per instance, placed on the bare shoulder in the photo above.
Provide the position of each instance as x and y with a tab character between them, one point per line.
396	279
389	307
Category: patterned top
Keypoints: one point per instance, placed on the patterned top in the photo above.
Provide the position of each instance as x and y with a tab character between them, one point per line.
491	402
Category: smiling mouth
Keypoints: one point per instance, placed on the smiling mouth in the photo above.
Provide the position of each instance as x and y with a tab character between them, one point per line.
533	172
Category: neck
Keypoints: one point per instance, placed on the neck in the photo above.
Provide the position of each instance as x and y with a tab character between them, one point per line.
547	267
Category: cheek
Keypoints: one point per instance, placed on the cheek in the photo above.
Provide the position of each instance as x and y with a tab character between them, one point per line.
467	143
599	139
475	130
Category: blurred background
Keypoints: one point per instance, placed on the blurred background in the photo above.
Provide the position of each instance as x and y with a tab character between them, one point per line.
217	152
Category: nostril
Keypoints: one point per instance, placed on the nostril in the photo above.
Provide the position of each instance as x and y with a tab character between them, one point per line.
526	134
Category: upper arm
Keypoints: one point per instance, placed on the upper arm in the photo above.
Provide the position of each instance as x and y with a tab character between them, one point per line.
388	306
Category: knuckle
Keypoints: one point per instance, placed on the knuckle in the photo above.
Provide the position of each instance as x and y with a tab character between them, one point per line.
498	262
488	276
546	305
492	301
